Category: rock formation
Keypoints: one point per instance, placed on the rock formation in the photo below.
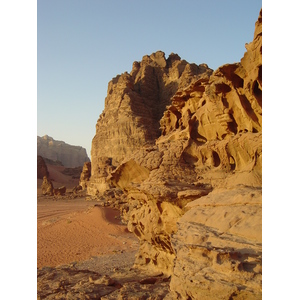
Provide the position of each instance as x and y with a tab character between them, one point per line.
134	104
42	169
47	187
60	191
70	156
71	282
218	246
184	144
85	175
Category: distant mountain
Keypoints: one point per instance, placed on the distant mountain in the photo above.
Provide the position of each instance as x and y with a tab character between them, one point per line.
70	156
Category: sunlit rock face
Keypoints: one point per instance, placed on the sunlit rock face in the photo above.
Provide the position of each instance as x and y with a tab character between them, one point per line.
184	144
134	105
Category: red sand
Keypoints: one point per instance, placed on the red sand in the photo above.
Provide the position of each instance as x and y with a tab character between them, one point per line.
76	230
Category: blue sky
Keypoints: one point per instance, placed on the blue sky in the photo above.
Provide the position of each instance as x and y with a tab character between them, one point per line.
82	45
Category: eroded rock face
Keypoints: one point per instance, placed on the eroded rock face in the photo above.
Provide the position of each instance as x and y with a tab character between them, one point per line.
70	156
218	247
156	199
70	282
85	175
98	183
134	104
226	104
193	190
47	187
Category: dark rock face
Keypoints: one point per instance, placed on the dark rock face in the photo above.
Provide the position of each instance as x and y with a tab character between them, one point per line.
60	191
42	169
70	156
74	172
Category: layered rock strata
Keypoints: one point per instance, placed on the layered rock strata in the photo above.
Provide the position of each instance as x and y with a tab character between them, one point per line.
193	191
218	247
70	156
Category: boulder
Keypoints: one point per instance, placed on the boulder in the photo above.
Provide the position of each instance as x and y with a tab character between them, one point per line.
77	189
60	191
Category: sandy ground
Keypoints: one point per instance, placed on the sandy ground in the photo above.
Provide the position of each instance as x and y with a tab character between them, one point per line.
77	230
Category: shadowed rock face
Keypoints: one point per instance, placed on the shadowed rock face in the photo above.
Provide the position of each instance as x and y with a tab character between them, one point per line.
42	169
70	156
184	145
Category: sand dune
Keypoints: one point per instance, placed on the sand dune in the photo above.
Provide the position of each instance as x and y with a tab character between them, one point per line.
76	230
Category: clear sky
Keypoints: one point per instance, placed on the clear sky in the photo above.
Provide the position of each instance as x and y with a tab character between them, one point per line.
83	44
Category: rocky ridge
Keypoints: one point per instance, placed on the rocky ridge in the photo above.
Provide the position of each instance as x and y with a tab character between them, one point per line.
70	156
179	148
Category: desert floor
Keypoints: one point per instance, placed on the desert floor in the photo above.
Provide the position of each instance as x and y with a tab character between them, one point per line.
76	230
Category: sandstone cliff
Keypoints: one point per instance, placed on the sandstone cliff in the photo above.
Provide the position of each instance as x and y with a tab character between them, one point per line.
184	144
70	156
134	105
